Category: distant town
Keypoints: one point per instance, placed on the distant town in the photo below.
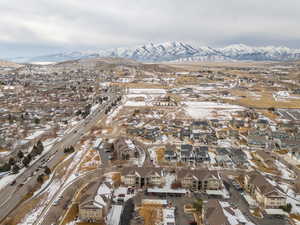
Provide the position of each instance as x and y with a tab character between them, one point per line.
113	141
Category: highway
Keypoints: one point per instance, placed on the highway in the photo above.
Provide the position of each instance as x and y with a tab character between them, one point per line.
11	196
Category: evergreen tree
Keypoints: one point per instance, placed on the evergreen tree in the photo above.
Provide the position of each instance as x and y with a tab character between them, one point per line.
40	147
34	151
11	161
26	160
36	120
40	179
47	170
20	154
15	169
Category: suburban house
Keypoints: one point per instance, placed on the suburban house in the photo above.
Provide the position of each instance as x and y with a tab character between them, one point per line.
125	148
171	153
140	177
265	193
295	153
262	123
94	205
186	153
201	154
223	156
199	180
185	133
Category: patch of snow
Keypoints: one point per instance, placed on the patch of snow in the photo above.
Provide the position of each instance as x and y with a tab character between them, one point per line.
147	91
135	104
114	215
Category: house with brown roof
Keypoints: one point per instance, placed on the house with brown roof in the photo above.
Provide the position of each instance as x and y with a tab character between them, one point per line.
94	204
217	212
199	180
265	158
264	192
142	177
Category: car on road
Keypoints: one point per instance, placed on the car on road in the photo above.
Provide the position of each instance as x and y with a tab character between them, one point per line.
55	203
13	183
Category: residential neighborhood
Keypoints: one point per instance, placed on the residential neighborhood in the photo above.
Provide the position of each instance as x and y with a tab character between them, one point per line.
113	142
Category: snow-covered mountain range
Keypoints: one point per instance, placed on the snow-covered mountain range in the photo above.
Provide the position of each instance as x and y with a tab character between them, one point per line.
178	51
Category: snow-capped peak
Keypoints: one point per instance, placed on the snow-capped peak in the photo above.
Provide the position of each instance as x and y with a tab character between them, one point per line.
179	51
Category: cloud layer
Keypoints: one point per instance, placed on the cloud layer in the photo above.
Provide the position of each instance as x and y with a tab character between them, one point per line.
34	27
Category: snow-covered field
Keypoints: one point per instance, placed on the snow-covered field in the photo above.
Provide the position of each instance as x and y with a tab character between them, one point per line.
210	110
147	91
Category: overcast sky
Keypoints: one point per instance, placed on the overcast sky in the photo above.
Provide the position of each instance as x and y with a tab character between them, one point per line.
36	27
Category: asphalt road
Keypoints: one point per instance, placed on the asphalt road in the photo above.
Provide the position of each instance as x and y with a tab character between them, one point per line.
11	196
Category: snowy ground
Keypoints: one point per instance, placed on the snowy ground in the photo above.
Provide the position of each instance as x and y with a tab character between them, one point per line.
35	134
6	180
292	198
210	110
114	114
33	215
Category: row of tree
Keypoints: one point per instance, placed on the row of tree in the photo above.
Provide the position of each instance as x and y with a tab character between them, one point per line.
12	163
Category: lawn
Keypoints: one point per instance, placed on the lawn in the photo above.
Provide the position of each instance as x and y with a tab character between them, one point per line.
72	214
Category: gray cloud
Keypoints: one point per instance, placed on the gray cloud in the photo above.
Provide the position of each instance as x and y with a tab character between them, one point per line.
39	26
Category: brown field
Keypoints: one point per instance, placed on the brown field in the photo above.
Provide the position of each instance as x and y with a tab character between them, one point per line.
151	214
25	209
139	85
265	101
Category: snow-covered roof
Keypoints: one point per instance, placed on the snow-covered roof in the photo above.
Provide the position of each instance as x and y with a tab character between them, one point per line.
104	189
167	190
